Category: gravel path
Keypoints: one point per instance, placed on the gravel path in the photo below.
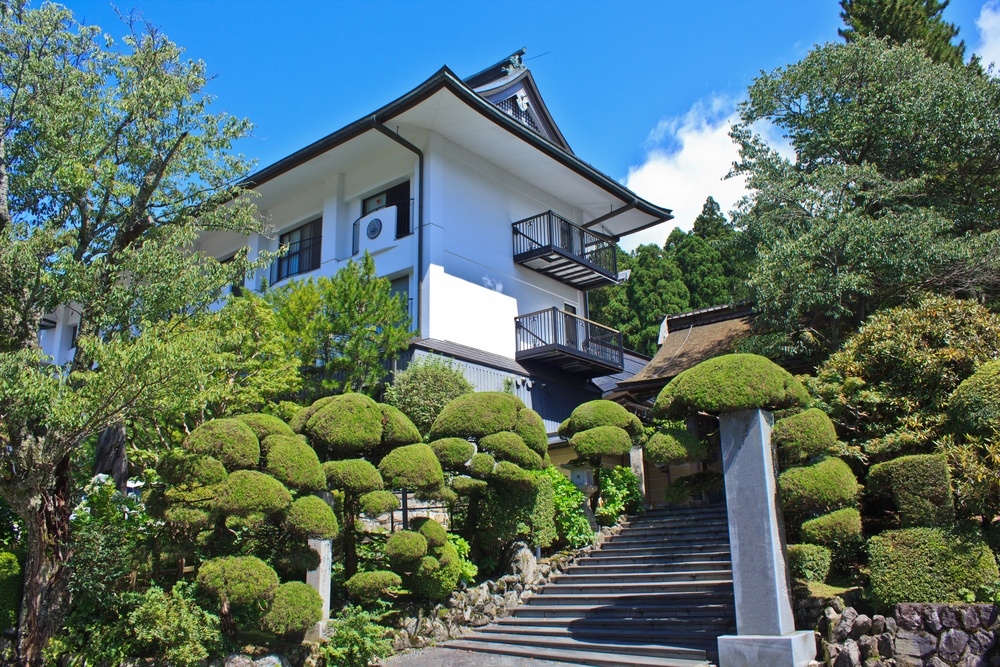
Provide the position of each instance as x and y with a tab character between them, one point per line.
444	657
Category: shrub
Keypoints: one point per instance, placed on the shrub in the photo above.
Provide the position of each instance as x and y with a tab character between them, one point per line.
839	531
247	492
531	428
810	562
294	464
619	494
927	565
920	486
229	440
369	587
482	465
593	414
376	503
466	486
264	425
11	583
354	476
572	527
508	446
436	576
296	607
238	579
183	468
299	420
683	489
311	516
404	549
512	474
477	415
974	406
425	388
356	640
171	629
673	446
516	505
411	467
434	532
601	441
803	436
453	452
348	425
817	489
397	429
730	383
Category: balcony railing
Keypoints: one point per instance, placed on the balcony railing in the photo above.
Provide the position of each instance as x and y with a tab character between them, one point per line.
573	343
553	245
302	256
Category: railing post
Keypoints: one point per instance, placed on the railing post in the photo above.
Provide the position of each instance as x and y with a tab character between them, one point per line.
556	338
552	235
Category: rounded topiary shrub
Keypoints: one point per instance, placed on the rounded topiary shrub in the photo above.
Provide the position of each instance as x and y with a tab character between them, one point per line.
674	446
810	562
434	532
466	486
453	452
370	587
437	576
187	469
477	415
294	464
250	492
353	476
397	429
531	428
239	579
804	436
919	486
593	414
347	425
295	608
839	531
601	441
411	467
376	503
187	518
730	383
974	406
298	421
312	517
404	549
818	489
229	440
11	587
506	472
927	565
508	446
264	425
482	465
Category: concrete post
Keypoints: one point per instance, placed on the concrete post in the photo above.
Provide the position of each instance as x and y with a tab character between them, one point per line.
764	622
637	464
320	580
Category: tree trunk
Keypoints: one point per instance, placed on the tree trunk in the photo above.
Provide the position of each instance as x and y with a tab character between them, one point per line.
45	603
226	622
350	541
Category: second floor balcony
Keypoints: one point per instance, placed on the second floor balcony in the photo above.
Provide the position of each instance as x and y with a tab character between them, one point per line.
551	244
572	343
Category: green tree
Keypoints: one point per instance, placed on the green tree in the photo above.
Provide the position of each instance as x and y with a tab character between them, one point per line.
342	328
713	227
901	21
653	290
702	271
111	165
424	388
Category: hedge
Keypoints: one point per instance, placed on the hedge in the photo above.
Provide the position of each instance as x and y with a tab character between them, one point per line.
376	503
593	414
919	485
927	565
508	446
312	517
294	464
730	383
838	531
229	440
818	489
404	549
369	587
264	425
411	467
239	579
477	415
673	446
353	476
809	561
804	436
249	492
453	452
600	441
974	406
296	607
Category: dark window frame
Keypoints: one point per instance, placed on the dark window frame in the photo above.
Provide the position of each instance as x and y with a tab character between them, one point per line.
303	255
399	196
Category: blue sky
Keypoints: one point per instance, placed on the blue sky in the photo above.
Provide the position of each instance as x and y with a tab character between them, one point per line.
642	90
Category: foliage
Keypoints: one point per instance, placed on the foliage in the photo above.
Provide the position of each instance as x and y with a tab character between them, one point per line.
183	468
888	388
804	436
229	440
11	583
369	587
437	574
508	446
513	507
356	640
354	476
413	467
730	383
619	494
572	528
477	415
238	579
901	21
809	562
376	503
927	565
974	463
600	441
404	549
345	426
170	628
397	429
817	489
701	269
974	406
453	453
671	446
295	608
294	464
248	492
264	425
689	486
342	328
481	465
601	413
838	531
433	532
467	569
423	390
312	517
920	487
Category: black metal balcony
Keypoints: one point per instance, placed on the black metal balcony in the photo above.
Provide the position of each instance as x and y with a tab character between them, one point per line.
551	244
556	338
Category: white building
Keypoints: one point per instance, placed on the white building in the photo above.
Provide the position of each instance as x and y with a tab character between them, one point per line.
470	200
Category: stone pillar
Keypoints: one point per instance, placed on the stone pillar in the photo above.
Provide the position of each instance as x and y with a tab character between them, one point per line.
638	467
764	622
320	580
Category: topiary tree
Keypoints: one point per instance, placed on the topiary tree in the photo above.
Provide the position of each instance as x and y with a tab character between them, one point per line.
354	478
370	587
838	531
919	488
804	436
412	468
240	581
809	562
229	440
673	446
295	608
264	425
423	390
474	416
427	562
811	491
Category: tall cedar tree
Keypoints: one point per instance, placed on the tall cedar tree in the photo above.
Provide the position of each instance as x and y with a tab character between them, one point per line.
901	21
713	227
110	166
701	270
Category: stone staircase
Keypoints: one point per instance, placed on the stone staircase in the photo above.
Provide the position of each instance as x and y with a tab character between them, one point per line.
657	594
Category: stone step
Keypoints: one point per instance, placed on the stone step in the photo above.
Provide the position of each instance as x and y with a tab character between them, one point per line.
633	598
599	559
567	643
574	587
681	513
681	632
661	575
655	539
597	659
628	611
652	567
611	549
654	530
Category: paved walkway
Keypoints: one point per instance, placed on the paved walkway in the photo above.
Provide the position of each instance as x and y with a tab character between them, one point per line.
445	657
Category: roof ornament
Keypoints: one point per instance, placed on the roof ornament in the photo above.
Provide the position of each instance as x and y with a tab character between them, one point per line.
515	63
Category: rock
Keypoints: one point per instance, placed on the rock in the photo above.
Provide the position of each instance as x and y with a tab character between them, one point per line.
936	662
862	626
908	616
981	642
987	615
838	605
932	619
886	645
968	618
237	660
913	647
869	647
974	661
849	656
890	626
273	660
843	629
872	662
878	624
948	616
952	644
829	622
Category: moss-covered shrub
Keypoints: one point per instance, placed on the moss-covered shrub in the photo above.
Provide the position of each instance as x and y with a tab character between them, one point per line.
466	486
311	516
397	429
404	549
238	579
411	467
600	441
370	587
426	386
477	415
674	446
248	492
508	446
481	465
920	487
187	518
179	467
354	476
348	425
453	452
294	464
434	532
804	436
840	532
730	383
593	414
531	428
296	607
229	440
437	575
299	420
264	425
974	406
376	503
810	562
512	474
817	489
927	565
11	586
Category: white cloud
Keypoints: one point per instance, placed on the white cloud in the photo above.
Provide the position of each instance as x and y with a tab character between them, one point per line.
988	23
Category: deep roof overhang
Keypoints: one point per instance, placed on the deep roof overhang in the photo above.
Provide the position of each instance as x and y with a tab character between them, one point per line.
625	213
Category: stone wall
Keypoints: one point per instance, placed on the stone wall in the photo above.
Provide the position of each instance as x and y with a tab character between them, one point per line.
916	635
